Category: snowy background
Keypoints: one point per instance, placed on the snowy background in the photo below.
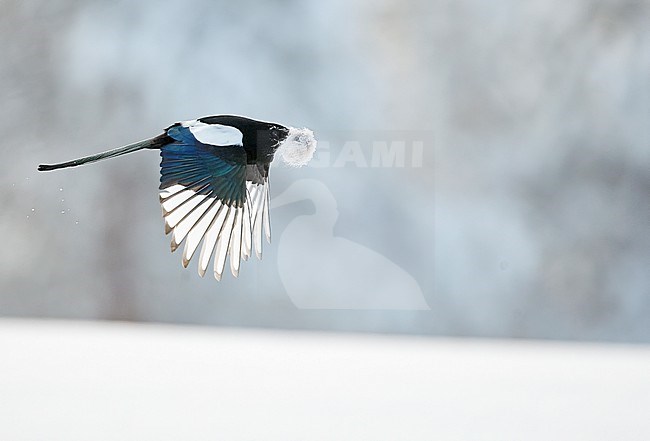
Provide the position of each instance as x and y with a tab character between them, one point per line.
126	381
529	215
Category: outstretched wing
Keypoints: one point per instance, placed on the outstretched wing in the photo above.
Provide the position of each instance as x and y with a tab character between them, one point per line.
205	197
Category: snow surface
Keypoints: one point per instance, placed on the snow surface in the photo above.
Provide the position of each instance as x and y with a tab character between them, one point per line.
107	381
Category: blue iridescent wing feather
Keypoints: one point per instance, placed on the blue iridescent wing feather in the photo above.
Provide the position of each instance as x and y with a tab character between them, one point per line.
192	164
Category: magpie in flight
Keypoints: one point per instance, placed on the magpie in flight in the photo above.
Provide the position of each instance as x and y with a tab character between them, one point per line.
214	183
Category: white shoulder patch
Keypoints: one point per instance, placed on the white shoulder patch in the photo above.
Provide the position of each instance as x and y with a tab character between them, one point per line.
214	134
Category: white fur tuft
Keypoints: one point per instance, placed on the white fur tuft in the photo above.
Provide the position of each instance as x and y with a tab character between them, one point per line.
298	148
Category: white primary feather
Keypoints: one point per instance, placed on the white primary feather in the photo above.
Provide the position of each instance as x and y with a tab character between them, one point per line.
258	195
223	243
236	242
188	223
246	230
170	191
199	229
210	239
194	218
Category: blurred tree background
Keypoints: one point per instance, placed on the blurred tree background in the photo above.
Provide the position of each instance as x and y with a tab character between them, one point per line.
529	217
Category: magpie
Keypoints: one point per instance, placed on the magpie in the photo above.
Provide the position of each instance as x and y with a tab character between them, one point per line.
214	183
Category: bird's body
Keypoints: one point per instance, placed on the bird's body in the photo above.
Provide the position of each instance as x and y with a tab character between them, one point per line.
214	183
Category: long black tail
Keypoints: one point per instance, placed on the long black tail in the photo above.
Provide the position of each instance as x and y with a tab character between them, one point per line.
147	143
